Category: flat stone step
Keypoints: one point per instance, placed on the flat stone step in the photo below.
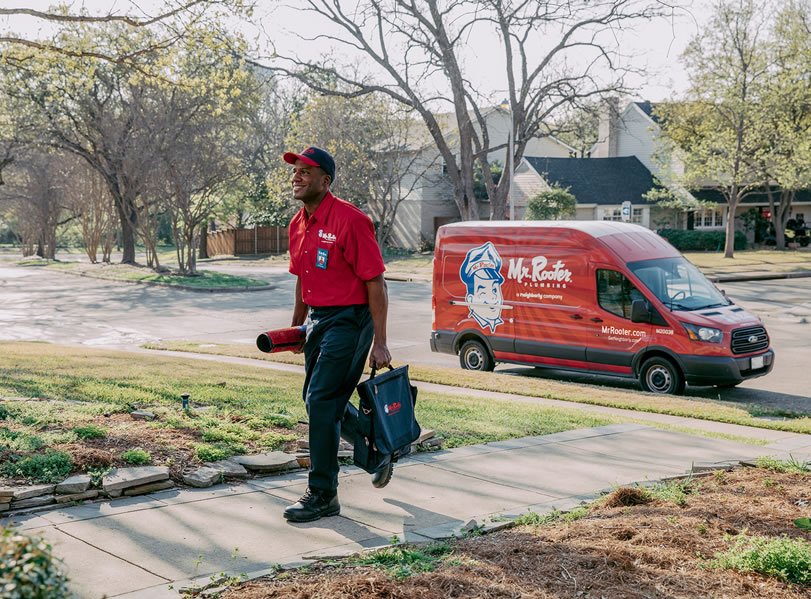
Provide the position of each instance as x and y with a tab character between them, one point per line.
34	491
78	483
203	477
124	478
142	415
274	461
92	494
229	468
149	488
32	502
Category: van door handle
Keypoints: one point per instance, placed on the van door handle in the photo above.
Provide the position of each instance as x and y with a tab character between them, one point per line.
596	320
576	317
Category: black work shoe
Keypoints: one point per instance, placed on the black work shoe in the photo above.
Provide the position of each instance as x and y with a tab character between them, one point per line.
382	477
312	506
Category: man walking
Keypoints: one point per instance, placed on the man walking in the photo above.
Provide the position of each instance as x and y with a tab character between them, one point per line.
341	293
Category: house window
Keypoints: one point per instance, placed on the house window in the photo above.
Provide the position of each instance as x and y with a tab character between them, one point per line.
709	218
636	216
612	214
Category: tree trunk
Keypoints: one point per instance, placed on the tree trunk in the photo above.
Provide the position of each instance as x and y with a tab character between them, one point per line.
127	232
729	250
203	251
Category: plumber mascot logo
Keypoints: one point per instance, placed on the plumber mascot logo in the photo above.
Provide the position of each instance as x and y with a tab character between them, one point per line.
481	273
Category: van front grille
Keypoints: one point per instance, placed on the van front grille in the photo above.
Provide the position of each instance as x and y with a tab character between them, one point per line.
749	340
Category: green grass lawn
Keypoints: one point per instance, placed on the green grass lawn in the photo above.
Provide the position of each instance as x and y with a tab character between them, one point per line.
519	385
762	259
124	272
251	409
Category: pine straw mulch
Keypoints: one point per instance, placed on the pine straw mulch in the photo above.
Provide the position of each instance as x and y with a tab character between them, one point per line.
657	549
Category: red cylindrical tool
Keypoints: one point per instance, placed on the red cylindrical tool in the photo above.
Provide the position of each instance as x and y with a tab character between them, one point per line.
289	339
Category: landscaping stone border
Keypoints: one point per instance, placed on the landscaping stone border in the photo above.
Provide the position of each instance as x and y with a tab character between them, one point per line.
141	480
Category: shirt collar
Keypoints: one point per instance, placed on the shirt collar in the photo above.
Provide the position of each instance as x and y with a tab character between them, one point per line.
322	212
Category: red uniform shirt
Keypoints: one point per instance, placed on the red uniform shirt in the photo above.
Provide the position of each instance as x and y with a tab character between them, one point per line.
335	252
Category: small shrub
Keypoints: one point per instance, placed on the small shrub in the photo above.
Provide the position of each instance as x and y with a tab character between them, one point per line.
4	413
403	561
212	453
28	570
49	467
273	440
136	457
708	241
552	518
91	431
783	557
280	420
18	441
676	491
97	474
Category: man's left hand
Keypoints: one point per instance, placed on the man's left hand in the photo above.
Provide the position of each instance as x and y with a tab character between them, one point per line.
379	356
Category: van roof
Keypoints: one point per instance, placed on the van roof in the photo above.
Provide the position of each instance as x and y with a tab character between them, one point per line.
629	241
594	228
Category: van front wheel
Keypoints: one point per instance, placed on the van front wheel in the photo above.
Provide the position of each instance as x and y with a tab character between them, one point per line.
660	375
474	356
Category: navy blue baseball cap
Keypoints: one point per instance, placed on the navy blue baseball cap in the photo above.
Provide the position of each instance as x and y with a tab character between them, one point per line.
314	157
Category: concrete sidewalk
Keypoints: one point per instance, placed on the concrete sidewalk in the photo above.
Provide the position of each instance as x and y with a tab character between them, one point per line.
137	548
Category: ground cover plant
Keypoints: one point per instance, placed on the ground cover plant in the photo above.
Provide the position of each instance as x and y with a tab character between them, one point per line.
723	535
73	412
717	411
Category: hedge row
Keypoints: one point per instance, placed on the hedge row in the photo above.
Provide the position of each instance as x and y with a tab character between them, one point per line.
711	241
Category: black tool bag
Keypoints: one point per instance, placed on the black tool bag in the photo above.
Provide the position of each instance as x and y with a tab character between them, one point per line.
386	423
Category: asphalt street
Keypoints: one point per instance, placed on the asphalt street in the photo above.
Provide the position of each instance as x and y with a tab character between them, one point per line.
40	304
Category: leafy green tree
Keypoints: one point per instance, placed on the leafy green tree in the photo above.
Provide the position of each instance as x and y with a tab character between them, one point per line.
553	204
717	130
786	113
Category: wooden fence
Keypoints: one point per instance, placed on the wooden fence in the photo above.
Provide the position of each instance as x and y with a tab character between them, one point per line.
242	242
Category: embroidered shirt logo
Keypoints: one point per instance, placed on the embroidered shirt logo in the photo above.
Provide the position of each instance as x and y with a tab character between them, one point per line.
328	237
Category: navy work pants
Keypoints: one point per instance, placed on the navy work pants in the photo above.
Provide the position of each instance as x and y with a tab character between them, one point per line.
338	342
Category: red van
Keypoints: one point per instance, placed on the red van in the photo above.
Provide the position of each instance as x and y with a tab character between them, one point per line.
594	296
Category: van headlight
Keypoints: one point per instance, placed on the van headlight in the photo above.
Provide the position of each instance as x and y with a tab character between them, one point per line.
706	334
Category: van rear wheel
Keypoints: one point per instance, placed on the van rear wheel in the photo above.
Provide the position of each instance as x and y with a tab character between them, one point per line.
474	356
660	375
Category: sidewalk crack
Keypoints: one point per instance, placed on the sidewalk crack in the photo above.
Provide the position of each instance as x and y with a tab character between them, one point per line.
81	540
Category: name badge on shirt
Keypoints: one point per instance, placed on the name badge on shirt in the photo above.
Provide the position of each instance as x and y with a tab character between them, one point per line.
321	258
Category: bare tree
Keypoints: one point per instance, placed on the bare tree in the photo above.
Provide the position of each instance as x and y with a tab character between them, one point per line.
176	20
553	52
89	199
36	193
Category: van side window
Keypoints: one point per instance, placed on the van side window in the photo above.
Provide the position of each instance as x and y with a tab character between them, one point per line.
615	292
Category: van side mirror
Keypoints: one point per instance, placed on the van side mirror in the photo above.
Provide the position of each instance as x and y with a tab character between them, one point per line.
640	311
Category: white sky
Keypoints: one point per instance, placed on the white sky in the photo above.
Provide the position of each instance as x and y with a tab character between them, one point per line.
656	44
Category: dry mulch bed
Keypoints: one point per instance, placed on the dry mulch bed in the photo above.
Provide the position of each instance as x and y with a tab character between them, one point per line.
622	549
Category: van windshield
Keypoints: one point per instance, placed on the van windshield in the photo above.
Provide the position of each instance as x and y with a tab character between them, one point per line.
678	284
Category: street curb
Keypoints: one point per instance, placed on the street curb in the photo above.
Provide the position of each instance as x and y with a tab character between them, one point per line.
763	277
